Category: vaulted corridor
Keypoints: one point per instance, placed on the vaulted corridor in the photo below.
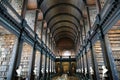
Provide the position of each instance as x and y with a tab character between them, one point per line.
59	39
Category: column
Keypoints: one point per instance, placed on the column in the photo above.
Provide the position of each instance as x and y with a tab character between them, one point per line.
19	44
46	55
61	65
80	64
109	61
42	30
77	60
83	65
85	47
88	70
88	14
32	62
70	67
15	59
54	66
44	75
49	68
40	66
94	63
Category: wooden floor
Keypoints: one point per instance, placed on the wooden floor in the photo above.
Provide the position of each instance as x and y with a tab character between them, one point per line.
65	77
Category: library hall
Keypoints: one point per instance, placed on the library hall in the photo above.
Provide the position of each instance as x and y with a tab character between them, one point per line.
59	40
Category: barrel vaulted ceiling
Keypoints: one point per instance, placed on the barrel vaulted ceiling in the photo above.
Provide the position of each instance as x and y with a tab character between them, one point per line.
64	18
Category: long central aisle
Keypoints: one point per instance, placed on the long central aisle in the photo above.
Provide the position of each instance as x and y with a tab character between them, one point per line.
65	77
